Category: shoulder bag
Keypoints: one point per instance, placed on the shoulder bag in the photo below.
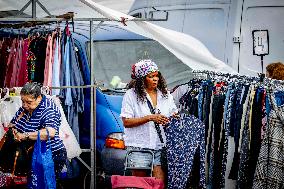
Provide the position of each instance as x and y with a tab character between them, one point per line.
164	161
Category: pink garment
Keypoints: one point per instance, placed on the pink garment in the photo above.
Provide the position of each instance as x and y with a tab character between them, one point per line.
120	182
59	53
48	61
23	69
9	65
16	64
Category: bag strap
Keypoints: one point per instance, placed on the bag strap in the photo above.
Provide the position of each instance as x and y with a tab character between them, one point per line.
48	137
20	116
157	126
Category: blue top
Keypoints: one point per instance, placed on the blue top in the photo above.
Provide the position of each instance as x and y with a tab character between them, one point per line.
47	114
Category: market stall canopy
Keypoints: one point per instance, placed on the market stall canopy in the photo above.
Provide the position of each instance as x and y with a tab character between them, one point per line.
57	7
186	48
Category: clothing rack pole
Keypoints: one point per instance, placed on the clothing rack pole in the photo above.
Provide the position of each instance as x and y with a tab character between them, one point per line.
14	19
74	87
93	118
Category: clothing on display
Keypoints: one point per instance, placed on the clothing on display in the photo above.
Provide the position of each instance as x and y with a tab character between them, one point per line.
186	136
47	57
237	107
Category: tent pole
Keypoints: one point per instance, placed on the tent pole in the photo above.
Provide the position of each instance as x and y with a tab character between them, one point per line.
24	8
93	111
34	8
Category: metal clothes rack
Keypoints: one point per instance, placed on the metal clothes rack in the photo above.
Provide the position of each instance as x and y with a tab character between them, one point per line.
261	78
92	167
209	74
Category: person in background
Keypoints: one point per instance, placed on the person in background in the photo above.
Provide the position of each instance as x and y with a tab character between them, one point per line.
140	133
275	71
39	113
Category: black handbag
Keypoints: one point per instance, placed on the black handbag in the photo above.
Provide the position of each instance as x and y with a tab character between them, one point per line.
163	159
15	157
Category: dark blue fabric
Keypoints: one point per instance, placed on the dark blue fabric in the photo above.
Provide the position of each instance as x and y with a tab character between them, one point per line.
200	103
185	136
236	123
74	98
84	119
226	127
279	97
217	145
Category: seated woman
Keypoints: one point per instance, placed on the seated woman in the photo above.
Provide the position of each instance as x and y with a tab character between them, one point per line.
39	113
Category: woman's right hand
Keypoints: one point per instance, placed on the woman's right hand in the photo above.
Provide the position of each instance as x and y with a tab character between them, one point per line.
159	118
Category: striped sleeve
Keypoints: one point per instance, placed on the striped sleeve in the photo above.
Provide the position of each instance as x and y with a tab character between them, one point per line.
51	118
14	119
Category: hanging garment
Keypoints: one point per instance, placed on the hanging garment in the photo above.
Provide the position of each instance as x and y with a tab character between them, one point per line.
179	92
241	93
185	136
16	64
23	69
48	61
217	144
66	134
56	67
8	108
36	59
4	53
77	93
84	118
10	63
269	170
244	165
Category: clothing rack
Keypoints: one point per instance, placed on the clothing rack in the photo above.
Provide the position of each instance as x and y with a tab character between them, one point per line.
229	75
92	167
260	80
43	21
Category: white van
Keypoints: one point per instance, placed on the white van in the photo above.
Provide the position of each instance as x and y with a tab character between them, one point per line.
241	33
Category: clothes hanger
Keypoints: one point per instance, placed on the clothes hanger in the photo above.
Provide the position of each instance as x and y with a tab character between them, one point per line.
45	90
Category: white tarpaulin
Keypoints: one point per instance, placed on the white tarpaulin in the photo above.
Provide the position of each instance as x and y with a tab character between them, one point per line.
186	48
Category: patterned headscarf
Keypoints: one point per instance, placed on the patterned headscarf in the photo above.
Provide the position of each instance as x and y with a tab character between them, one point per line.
143	68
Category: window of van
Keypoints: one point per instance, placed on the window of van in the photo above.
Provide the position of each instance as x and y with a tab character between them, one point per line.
114	58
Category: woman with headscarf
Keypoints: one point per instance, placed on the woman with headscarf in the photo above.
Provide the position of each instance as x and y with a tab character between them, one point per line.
147	84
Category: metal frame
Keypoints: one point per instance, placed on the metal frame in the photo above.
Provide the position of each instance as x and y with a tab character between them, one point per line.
93	85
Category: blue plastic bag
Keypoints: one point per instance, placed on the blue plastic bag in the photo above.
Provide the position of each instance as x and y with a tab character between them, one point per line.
42	171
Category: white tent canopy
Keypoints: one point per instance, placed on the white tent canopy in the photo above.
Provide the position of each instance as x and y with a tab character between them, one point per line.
186	48
58	7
